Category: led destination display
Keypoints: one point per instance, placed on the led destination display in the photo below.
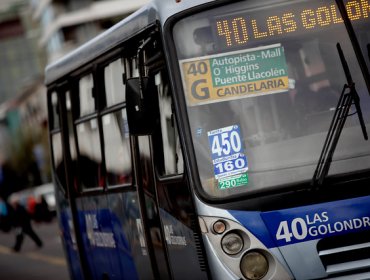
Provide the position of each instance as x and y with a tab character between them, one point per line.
242	28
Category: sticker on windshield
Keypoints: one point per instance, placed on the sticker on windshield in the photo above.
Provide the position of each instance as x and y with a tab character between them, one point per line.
233	181
228	156
235	75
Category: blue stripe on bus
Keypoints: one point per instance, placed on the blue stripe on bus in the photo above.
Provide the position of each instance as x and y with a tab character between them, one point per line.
300	224
107	247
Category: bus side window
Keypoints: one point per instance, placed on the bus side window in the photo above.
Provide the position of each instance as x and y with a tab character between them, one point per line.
87	101
90	160
56	142
55	123
115	90
116	136
58	161
71	140
172	153
117	148
88	138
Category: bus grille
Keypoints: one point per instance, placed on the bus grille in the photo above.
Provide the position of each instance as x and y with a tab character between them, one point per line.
345	254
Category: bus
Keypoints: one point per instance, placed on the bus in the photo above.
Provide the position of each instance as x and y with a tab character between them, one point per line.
201	139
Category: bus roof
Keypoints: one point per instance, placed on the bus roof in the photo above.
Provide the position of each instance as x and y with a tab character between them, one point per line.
101	44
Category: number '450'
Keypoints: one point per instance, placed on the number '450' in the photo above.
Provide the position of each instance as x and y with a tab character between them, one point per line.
225	144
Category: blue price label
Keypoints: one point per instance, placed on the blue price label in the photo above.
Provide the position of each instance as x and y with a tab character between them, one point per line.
227	151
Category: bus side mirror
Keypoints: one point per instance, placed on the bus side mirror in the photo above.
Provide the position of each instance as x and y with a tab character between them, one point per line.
142	113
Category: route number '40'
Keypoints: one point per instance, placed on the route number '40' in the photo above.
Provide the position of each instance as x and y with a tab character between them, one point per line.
296	229
198	68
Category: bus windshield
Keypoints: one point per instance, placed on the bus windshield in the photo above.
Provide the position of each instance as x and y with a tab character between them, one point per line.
261	81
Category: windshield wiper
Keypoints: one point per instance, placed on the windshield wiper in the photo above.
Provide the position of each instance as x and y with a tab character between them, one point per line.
348	97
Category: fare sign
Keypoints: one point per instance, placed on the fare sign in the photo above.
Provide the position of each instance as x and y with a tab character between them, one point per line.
227	152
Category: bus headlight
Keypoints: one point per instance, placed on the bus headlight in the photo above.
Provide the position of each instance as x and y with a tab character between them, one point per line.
254	265
232	243
219	227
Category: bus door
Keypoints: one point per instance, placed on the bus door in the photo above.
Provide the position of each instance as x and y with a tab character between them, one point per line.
167	208
176	208
142	126
150	210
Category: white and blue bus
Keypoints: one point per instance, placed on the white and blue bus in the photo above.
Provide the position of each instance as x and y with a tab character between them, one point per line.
202	139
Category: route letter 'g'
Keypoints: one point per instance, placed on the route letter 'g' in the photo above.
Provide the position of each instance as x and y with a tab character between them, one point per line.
198	91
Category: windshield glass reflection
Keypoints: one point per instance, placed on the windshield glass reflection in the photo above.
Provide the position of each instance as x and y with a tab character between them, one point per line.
277	92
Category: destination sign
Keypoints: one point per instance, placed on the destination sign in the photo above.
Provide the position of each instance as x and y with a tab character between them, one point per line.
235	75
305	223
241	28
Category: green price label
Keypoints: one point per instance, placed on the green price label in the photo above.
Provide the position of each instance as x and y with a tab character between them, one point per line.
233	182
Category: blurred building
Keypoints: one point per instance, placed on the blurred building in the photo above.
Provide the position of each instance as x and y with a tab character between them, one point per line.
19	57
66	24
34	33
21	69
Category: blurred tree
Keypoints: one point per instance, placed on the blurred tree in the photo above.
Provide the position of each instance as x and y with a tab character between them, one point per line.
29	157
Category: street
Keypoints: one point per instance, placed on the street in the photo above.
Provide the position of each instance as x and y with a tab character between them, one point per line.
32	263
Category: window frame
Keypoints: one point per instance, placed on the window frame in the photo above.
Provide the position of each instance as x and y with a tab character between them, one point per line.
96	68
60	90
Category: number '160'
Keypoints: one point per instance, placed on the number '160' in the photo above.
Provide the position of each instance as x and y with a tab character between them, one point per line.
231	165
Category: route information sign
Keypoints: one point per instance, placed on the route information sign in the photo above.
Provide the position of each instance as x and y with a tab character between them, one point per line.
235	75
